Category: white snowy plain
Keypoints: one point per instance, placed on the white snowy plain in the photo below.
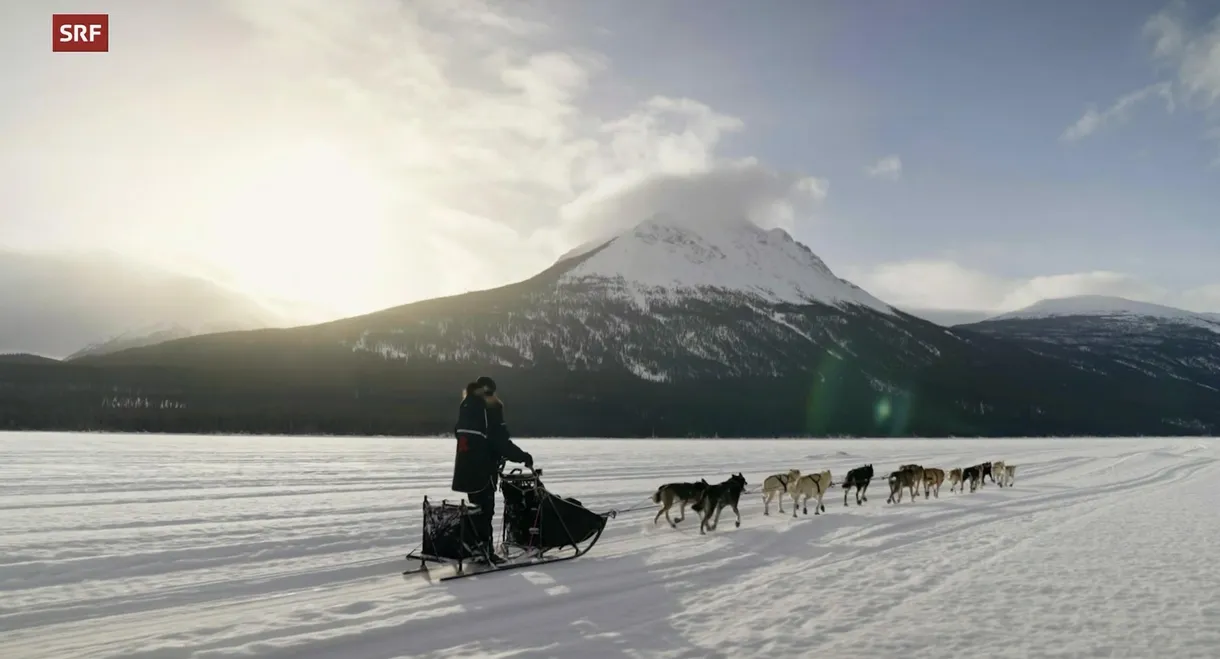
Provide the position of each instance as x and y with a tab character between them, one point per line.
170	547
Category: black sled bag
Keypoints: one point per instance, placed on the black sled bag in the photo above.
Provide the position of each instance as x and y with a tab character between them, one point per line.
533	517
449	532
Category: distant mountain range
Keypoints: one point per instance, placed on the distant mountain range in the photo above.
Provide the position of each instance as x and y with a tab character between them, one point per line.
1116	336
72	305
668	329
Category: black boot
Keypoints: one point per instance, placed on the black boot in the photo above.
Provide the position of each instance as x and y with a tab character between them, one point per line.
488	558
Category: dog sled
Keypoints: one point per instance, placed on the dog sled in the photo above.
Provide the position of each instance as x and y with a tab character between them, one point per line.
537	528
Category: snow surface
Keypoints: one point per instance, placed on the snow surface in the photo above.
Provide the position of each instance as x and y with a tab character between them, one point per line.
148	547
1108	306
665	254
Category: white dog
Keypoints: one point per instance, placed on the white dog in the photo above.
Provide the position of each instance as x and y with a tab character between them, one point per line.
997	472
810	485
777	485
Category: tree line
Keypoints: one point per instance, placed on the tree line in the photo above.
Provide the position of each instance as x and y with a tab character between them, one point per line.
376	397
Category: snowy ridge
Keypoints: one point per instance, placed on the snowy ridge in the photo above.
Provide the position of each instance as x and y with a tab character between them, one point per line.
1109	306
671	339
662	256
161	332
265	549
583	248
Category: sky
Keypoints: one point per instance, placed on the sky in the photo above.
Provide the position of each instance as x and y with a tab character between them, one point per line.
956	155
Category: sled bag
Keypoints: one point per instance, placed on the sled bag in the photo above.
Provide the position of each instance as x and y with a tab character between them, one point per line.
448	533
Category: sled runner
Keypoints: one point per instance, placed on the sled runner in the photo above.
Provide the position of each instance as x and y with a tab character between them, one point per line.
535	522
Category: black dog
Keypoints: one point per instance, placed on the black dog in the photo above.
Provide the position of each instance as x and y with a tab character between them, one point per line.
974	475
716	497
683	494
858	478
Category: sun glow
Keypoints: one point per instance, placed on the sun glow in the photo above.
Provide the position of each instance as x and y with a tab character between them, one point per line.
307	224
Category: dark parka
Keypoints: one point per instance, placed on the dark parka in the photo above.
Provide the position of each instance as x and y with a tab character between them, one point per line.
482	442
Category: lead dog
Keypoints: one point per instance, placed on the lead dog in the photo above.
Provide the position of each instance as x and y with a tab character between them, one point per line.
778	484
932	479
1010	475
858	478
810	485
716	497
683	493
898	480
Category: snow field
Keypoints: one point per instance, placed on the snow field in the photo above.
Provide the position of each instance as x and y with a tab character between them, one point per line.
170	547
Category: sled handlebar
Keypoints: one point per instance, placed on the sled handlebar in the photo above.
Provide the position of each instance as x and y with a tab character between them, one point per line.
520	471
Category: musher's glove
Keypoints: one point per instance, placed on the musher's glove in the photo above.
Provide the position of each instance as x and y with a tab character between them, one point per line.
529	461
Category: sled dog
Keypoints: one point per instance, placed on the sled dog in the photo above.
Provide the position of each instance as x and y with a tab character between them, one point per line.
985	472
810	485
858	478
955	479
997	467
932	479
715	498
973	475
916	471
898	480
681	493
776	485
1010	475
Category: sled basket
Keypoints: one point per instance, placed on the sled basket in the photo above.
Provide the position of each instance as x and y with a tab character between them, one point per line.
449	531
536	519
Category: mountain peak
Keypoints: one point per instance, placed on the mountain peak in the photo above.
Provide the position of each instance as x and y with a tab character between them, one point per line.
663	254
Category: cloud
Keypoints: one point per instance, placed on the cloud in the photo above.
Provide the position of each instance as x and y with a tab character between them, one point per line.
1193	54
366	154
889	167
1166	31
720	193
1193	57
1092	120
947	285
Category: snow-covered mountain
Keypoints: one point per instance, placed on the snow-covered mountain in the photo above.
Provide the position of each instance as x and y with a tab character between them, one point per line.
665	300
1114	308
58	305
1110	333
664	258
666	328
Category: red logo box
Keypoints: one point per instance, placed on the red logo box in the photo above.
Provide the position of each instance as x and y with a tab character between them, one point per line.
80	33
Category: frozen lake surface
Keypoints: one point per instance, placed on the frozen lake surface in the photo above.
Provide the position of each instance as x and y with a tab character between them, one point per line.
147	547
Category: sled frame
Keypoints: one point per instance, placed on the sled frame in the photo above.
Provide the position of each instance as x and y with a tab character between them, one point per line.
536	556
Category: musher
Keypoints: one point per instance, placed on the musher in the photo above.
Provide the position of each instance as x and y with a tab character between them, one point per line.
482	445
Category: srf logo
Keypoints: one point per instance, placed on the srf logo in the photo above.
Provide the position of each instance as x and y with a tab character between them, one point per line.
80	33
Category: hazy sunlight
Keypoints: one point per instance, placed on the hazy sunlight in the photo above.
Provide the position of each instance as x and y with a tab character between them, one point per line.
299	224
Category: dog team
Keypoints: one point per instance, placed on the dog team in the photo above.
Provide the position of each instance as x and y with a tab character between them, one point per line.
709	500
